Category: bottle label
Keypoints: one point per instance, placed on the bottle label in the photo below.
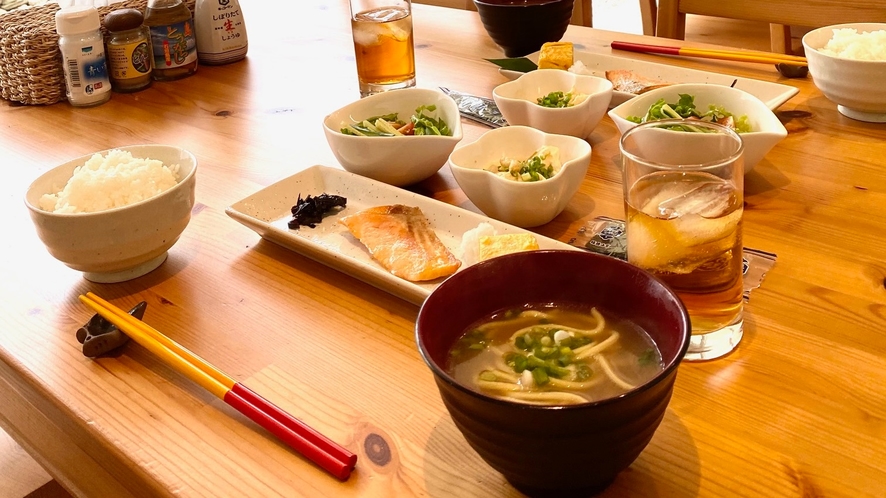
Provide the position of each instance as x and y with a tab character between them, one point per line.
87	72
130	60
174	45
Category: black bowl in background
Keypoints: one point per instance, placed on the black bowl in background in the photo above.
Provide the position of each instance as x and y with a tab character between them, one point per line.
520	27
555	450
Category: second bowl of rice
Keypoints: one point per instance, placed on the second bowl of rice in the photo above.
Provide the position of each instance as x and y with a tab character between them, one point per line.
848	64
114	214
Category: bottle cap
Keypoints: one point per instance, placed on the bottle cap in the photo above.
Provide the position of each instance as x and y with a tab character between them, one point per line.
77	19
123	20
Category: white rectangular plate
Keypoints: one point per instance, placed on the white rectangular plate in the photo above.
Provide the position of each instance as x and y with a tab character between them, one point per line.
268	212
772	94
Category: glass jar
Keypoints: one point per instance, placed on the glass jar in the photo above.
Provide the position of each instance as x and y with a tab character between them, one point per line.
173	40
129	50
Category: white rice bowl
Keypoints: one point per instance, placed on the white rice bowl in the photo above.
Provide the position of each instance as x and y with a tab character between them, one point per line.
847	63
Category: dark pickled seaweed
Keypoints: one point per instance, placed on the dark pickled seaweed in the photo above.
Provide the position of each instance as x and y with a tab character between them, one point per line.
310	210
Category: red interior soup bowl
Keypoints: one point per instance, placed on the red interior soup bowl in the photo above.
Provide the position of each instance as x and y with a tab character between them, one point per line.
543	441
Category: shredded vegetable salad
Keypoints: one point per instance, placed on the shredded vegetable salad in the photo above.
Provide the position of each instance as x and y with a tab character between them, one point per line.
423	122
685	109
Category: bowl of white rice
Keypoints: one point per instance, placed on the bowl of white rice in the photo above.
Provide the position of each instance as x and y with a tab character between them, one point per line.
114	214
847	63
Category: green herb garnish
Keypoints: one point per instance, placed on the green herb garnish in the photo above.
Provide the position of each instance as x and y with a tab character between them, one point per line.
556	99
648	358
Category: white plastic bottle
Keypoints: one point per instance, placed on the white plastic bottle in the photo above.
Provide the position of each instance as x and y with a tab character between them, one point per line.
83	55
221	31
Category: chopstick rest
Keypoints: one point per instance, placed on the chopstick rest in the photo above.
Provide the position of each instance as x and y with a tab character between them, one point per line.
100	336
332	457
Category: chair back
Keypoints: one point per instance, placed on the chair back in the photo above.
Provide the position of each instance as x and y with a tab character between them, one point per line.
671	22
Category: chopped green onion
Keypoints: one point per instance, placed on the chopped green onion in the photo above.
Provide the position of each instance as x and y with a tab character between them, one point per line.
540	376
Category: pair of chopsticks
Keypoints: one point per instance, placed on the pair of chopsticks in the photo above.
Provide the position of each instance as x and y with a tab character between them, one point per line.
708	53
330	456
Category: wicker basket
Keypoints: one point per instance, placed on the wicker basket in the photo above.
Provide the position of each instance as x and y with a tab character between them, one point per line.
30	60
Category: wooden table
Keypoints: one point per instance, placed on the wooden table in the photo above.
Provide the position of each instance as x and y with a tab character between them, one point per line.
798	410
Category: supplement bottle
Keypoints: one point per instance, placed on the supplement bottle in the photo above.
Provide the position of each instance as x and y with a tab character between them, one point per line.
83	56
129	50
173	41
221	31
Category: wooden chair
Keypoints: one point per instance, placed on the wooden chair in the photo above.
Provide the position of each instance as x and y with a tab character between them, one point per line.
780	14
582	12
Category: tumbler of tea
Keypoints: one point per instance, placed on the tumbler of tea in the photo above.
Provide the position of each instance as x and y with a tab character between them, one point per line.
684	195
383	45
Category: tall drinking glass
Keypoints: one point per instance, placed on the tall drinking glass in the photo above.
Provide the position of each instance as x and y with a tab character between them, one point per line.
684	195
383	46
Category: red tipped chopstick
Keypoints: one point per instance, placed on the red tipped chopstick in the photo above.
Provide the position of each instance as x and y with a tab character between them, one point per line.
318	448
706	53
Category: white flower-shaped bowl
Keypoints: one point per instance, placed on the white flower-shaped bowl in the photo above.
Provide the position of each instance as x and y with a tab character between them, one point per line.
766	128
400	160
518	101
524	204
856	86
121	243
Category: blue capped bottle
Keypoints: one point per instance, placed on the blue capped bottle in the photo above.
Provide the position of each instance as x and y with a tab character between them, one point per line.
83	55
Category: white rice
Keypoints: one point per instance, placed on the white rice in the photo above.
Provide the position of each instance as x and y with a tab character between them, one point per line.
848	43
112	181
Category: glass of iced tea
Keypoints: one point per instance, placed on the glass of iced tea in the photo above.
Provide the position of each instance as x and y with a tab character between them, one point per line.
684	196
383	44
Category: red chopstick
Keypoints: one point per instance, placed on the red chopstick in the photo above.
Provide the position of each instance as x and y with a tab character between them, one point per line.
330	456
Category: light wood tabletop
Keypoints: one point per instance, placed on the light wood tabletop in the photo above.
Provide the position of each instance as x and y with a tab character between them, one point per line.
799	409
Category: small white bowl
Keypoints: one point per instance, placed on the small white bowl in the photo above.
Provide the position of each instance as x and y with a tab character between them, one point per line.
768	130
524	204
397	161
856	86
121	243
518	101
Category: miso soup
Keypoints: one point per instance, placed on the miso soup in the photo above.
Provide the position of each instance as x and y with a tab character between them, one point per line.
554	355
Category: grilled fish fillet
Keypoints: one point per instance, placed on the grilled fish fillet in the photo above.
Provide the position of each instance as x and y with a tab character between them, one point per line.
401	239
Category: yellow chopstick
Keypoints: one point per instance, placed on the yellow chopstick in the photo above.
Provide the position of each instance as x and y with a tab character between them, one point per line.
743	53
173	346
729	55
173	359
741	57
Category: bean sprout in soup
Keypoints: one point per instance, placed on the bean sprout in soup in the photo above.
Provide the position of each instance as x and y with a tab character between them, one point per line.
554	355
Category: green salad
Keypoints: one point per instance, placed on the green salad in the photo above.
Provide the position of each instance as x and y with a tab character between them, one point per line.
423	122
685	109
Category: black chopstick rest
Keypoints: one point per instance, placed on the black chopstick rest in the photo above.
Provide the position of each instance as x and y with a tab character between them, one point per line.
100	336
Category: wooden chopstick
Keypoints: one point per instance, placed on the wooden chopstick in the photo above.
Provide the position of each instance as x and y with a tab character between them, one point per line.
730	55
304	439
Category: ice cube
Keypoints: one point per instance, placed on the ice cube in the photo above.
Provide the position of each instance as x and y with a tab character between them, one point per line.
368	34
707	199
